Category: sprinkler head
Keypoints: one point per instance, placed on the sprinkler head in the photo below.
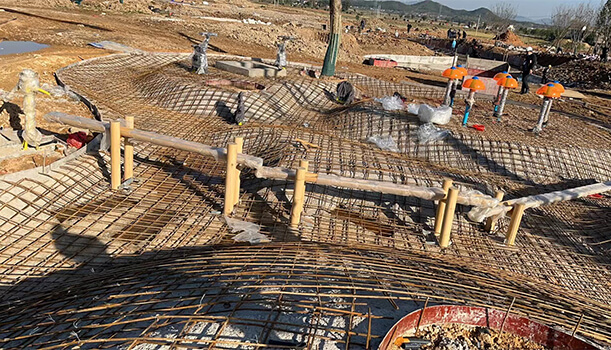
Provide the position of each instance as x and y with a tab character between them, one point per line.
551	90
501	75
508	82
462	69
474	84
453	73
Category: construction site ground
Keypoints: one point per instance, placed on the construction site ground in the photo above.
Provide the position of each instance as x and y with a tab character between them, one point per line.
155	267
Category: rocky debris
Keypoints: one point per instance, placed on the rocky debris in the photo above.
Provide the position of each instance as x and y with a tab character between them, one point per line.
583	74
461	337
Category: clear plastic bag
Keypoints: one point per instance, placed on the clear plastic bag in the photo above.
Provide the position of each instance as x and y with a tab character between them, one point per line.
247	231
413	108
385	143
430	133
391	103
440	115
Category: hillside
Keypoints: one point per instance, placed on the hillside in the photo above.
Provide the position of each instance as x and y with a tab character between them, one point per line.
429	8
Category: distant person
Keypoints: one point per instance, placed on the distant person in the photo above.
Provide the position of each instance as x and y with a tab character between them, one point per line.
362	25
529	63
409	28
464	34
450	33
454	45
544	78
604	57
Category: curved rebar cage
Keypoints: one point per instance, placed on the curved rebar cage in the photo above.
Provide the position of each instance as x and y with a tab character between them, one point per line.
155	267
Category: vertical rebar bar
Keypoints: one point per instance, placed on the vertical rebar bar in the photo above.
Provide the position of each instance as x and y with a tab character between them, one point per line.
128	151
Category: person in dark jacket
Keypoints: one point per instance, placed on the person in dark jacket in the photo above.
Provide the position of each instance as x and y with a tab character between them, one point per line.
529	63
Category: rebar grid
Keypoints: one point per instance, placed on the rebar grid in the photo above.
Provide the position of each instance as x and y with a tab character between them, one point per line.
232	297
70	226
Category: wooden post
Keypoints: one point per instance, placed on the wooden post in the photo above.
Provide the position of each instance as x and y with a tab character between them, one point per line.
448	217
230	179
490	222
115	154
514	224
304	164
298	197
128	151
441	206
240	142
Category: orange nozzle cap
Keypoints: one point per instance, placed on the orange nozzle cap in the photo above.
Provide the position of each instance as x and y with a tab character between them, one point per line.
551	90
559	86
474	84
501	75
508	82
462	69
453	73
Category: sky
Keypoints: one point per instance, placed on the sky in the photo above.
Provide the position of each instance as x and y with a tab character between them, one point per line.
534	9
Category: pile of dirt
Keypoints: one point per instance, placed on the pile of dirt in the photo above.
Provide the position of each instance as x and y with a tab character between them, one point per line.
459	337
510	38
583	74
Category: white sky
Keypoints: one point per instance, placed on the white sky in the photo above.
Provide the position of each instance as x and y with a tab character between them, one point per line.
535	9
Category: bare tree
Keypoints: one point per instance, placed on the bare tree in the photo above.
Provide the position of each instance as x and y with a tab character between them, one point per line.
561	23
574	23
506	13
584	17
603	24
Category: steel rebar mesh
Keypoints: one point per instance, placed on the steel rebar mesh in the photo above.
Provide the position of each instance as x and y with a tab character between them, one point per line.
71	225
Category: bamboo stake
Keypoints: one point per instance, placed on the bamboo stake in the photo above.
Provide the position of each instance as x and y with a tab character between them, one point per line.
128	151
240	142
115	154
230	179
298	197
448	217
490	222
514	224
441	206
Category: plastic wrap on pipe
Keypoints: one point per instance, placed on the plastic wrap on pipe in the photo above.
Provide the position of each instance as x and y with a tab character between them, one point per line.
72	120
560	196
540	199
265	172
153	138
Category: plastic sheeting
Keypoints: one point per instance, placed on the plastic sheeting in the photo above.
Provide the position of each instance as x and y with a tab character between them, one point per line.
246	231
391	103
384	142
440	115
430	133
61	91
